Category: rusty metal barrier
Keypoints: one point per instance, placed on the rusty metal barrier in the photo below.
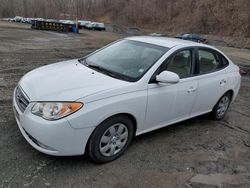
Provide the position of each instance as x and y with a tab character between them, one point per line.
53	26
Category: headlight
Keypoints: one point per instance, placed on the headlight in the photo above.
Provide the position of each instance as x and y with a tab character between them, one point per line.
55	110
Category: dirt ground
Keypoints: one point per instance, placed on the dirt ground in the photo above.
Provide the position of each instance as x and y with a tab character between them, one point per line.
194	153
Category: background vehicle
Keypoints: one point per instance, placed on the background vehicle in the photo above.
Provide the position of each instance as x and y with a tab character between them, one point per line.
158	35
95	26
83	23
88	26
67	22
98	26
18	19
29	20
192	37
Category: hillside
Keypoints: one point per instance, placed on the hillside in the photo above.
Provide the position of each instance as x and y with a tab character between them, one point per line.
219	17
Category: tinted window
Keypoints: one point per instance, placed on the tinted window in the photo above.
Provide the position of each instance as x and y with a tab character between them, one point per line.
208	61
180	63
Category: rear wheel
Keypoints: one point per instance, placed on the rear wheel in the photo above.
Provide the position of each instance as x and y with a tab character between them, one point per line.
110	139
221	107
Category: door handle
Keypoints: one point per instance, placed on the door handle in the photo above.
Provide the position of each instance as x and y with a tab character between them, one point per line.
191	89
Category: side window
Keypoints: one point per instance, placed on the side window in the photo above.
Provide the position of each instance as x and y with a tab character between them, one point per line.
180	63
208	61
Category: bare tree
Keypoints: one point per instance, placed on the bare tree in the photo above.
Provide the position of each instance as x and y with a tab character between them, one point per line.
225	17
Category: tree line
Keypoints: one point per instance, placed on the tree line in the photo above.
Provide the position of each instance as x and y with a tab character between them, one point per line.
224	17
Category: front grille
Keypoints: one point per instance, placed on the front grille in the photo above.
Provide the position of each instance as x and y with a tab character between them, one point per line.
21	100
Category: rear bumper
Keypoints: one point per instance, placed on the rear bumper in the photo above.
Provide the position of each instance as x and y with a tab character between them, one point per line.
237	84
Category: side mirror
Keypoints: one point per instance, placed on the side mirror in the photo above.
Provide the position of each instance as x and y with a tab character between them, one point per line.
168	77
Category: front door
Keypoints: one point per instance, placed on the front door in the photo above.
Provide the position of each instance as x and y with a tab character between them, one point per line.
168	103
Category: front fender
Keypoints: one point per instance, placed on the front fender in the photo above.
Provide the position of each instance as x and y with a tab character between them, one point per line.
93	113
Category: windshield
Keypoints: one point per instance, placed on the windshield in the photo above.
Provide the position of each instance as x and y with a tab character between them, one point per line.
126	59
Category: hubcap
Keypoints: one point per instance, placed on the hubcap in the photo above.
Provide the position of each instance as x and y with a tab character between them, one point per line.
223	106
113	139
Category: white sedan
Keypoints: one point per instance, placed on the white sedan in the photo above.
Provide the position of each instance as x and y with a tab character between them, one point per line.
97	104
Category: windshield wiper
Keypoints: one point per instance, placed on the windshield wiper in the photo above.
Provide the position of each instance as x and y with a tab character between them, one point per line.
103	70
96	67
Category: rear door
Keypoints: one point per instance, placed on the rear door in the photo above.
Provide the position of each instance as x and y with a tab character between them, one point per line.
212	80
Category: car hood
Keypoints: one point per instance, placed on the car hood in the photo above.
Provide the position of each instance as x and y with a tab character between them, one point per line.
66	81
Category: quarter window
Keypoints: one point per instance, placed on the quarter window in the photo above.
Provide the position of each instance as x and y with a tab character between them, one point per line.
224	61
180	63
208	61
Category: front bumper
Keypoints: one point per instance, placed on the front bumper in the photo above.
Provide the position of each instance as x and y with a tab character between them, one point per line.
51	137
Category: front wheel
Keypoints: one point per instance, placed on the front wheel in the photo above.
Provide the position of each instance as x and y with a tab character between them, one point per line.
110	139
221	107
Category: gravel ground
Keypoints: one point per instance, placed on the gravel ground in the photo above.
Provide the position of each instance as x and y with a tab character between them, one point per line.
194	153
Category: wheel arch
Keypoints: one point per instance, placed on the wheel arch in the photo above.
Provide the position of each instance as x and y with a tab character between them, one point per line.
231	93
214	110
130	116
125	114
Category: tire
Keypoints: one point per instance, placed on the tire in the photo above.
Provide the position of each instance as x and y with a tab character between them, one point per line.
110	139
222	106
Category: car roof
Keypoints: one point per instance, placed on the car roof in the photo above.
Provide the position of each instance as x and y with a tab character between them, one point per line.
165	41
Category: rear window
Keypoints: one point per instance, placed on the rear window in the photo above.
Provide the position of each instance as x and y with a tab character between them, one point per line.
211	60
208	61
